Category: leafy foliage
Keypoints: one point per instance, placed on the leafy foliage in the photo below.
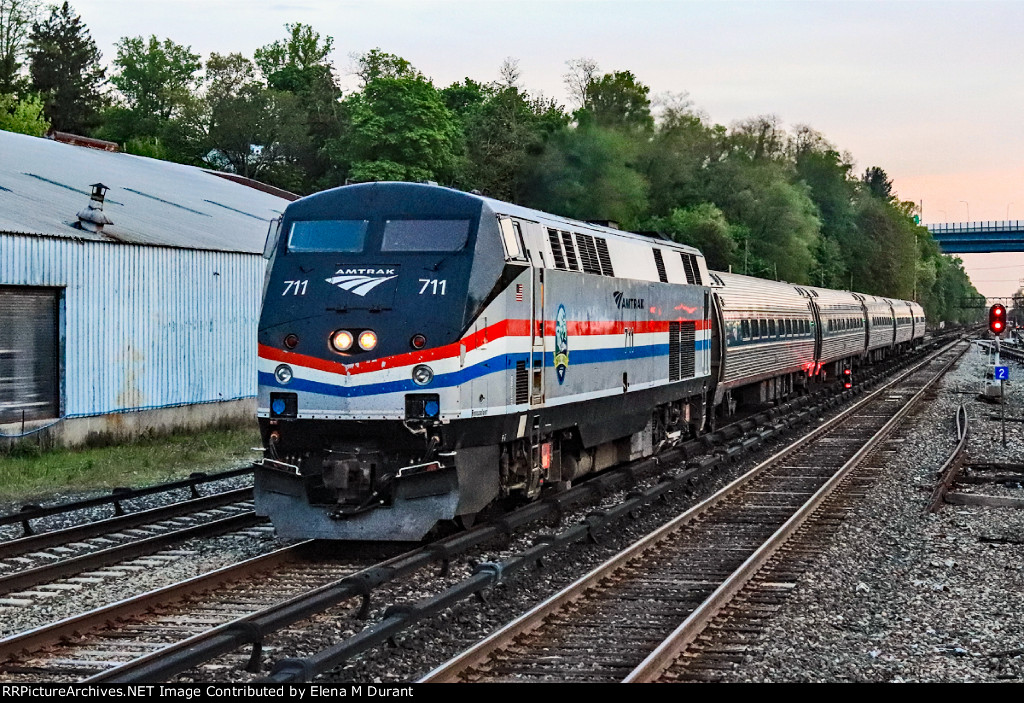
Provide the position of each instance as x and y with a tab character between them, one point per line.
400	129
16	17
64	66
755	197
24	116
155	78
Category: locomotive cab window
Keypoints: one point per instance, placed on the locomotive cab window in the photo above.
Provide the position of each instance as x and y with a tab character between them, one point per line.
511	236
425	235
327	235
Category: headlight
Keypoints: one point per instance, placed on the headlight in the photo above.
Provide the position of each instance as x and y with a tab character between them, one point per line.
342	340
283	374
367	340
422	375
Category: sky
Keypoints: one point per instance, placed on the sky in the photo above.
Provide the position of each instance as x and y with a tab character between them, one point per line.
932	92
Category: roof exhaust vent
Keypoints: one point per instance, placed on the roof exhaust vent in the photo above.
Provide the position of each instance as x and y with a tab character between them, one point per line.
92	218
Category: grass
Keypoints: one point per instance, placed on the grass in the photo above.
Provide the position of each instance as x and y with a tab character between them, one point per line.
34	474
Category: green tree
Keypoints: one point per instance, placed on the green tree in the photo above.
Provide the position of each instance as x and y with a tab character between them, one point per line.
702	226
300	65
376	64
64	66
505	130
588	173
401	130
24	116
259	131
679	157
16	17
156	78
878	183
618	101
297	62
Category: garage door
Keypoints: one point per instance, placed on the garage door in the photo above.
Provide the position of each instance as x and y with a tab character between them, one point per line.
29	354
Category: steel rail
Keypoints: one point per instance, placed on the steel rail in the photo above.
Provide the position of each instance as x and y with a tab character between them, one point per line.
47	635
118	553
448	672
952	465
252	628
35	542
31	512
668	651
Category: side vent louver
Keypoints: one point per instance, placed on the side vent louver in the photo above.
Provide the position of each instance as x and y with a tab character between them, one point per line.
556	249
604	257
522	383
692	269
687	348
673	351
570	252
588	254
660	263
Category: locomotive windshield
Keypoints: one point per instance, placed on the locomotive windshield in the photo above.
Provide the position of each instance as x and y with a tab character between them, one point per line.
328	235
425	235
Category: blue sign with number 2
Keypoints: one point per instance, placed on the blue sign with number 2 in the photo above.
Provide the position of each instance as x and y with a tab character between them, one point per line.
1002	373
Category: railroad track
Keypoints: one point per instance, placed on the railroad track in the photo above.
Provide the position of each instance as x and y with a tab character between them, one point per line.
42	564
125	636
32	518
632	617
171	630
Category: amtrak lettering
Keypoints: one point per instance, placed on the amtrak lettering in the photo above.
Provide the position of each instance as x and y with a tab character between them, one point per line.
624	303
361	280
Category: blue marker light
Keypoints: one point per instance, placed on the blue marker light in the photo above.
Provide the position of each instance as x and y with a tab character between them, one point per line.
277	407
431	408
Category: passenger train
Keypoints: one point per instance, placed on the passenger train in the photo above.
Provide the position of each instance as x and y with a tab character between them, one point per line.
424	352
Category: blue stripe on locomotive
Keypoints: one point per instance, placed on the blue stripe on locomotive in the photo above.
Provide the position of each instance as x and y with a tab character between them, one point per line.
455	378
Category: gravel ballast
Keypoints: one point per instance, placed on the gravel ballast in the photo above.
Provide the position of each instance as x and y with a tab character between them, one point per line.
904	595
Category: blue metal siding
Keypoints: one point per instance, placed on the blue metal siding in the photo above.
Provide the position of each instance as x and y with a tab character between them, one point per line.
145	327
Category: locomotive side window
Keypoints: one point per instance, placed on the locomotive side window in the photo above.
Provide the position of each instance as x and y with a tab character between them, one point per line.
511	235
327	235
425	235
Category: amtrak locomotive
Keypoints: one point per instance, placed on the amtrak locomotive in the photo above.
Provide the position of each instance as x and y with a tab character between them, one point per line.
424	352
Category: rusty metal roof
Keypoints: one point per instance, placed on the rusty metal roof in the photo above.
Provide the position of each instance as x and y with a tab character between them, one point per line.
44	184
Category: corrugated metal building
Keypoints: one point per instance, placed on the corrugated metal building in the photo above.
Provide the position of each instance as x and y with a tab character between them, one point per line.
149	323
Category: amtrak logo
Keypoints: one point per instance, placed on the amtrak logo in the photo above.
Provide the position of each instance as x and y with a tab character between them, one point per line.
624	303
561	344
361	280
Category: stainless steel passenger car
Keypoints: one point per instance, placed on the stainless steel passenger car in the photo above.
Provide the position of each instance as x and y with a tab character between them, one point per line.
766	339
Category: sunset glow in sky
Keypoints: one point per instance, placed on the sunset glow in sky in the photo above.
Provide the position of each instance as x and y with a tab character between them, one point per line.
929	91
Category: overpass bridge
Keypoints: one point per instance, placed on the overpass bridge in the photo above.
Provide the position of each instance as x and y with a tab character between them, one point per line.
979	237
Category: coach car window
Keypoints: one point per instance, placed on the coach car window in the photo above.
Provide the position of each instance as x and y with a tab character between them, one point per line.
327	235
764	328
745	329
425	235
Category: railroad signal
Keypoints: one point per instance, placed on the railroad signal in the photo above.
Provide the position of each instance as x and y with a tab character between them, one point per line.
997	319
847	379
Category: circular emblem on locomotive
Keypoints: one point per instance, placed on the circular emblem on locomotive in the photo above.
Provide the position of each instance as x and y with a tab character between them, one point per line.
561	344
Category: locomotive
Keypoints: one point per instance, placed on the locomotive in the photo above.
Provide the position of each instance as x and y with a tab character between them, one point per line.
424	352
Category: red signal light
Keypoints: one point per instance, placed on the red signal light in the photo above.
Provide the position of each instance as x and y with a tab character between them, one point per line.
997	319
